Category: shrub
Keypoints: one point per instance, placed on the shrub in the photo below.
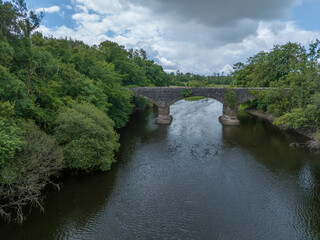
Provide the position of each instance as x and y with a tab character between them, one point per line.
295	119
23	178
88	137
230	98
10	140
186	93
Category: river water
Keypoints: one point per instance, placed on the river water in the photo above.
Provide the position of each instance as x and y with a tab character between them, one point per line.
194	179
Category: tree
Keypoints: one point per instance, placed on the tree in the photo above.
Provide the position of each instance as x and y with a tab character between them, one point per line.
22	179
285	66
10	140
16	20
88	138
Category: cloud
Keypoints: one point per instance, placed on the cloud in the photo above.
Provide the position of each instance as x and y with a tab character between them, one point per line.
194	36
219	12
69	7
51	9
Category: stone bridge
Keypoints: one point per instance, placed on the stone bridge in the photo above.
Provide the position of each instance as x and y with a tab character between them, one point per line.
163	97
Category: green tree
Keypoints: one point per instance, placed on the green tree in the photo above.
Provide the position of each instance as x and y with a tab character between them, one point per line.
10	140
87	136
23	178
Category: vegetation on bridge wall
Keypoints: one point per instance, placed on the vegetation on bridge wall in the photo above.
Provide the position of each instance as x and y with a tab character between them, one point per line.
186	93
230	98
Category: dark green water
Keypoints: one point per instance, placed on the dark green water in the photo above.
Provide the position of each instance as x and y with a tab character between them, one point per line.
194	179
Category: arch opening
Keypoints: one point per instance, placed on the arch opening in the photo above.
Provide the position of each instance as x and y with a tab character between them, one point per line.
229	114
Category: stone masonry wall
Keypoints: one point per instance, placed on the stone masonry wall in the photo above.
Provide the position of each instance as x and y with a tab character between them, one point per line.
165	96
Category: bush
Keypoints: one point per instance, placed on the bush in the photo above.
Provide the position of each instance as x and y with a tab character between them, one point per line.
230	98
10	140
88	137
141	103
23	178
295	119
186	93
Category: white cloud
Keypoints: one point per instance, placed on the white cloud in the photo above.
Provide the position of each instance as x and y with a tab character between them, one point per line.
185	40
69	7
51	9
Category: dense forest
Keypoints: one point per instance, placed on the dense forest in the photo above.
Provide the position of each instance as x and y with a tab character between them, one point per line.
61	101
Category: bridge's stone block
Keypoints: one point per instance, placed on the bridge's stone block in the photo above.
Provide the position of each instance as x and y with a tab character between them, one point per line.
164	120
164	116
229	116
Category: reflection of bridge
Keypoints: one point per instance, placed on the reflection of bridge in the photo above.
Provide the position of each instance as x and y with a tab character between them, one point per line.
163	97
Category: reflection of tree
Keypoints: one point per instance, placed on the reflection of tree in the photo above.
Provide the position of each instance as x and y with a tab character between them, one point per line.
266	143
142	126
79	200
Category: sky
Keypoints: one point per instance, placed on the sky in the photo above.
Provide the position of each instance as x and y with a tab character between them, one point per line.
196	36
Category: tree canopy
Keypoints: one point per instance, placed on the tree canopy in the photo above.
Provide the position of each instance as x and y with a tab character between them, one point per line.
285	66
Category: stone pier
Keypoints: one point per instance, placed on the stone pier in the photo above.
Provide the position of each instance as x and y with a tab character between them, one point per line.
229	116
164	116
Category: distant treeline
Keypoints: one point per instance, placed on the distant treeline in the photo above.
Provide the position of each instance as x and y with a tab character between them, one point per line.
196	80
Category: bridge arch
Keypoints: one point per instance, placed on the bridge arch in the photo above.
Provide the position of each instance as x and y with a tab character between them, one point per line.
163	97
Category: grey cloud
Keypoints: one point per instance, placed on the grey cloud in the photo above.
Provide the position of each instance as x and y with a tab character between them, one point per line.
234	33
219	12
214	22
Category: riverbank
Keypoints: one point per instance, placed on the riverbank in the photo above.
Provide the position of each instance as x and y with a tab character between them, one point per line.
309	133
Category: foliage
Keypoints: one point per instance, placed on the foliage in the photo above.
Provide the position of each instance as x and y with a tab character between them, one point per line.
88	138
22	180
16	20
10	140
230	98
141	103
196	80
285	66
195	98
186	93
302	117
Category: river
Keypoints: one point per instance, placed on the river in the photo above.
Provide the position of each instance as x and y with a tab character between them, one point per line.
194	179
